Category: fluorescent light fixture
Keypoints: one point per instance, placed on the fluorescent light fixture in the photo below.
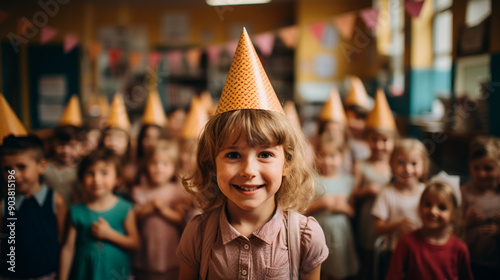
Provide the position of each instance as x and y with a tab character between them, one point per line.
235	2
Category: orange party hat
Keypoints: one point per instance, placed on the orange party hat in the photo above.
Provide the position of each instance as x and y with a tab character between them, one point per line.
381	115
9	123
72	115
153	111
207	101
333	110
195	120
118	117
247	85
291	114
357	94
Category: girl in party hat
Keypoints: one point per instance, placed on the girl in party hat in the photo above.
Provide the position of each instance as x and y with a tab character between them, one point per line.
252	177
153	122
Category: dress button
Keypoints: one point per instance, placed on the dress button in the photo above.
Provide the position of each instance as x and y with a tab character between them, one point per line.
244	272
246	246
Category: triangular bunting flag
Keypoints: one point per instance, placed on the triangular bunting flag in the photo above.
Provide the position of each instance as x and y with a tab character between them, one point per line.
289	36
213	53
70	42
317	29
46	34
193	58
413	8
23	24
94	50
370	17
3	16
134	59
265	43
154	58
345	24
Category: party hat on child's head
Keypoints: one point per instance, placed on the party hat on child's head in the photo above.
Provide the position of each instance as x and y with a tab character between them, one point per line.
195	120
291	114
153	111
332	110
357	94
247	85
381	117
72	115
118	117
9	123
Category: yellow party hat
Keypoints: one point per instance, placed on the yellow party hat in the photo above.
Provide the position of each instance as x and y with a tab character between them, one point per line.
206	100
195	120
118	117
72	115
291	114
381	115
9	123
247	85
333	110
356	96
153	111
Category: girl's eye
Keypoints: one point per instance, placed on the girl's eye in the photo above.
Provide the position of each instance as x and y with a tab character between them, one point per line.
266	155
401	162
233	155
442	207
414	163
427	204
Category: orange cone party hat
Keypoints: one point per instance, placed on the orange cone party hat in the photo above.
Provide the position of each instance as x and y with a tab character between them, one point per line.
333	110
357	94
381	115
247	85
153	111
291	114
195	120
118	117
72	115
9	123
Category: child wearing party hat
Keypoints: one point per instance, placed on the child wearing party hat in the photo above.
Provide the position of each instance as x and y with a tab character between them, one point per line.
153	122
357	104
251	175
31	212
66	145
374	174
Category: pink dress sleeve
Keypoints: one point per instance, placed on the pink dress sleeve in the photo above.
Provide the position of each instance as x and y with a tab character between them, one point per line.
312	244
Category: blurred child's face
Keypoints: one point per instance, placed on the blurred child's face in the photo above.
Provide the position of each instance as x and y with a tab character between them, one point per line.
329	160
485	171
436	212
116	140
27	171
380	145
151	137
176	123
335	129
100	179
91	143
160	169
408	168
249	176
355	122
67	153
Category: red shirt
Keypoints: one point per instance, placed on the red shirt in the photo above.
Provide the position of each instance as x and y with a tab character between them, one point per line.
416	258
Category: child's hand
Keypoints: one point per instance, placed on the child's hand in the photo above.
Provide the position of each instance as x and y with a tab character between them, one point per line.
489	230
473	217
373	189
101	229
406	225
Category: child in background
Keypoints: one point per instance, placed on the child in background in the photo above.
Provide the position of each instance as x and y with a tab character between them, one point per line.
102	229
251	169
39	213
481	208
60	174
374	175
332	210
396	207
433	251
153	121
160	207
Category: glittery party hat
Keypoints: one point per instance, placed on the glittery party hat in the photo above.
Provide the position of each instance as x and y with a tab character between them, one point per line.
72	115
381	115
153	111
332	109
247	85
356	96
118	117
9	123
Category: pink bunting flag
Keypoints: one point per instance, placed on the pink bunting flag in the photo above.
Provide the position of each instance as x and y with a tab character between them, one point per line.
370	18
231	48
114	57
317	29
23	24
193	58
46	34
213	53
174	61
345	24
289	36
3	15
414	7
265	43
154	58
134	59
70	42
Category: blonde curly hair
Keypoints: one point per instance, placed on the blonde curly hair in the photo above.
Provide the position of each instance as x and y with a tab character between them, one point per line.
261	127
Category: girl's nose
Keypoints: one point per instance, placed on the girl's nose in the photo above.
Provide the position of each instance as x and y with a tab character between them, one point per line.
249	168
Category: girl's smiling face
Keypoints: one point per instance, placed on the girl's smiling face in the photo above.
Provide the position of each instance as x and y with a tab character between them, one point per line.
485	171
408	167
100	179
435	211
249	176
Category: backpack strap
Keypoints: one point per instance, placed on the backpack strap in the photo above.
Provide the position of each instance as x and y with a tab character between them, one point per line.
293	236
209	235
